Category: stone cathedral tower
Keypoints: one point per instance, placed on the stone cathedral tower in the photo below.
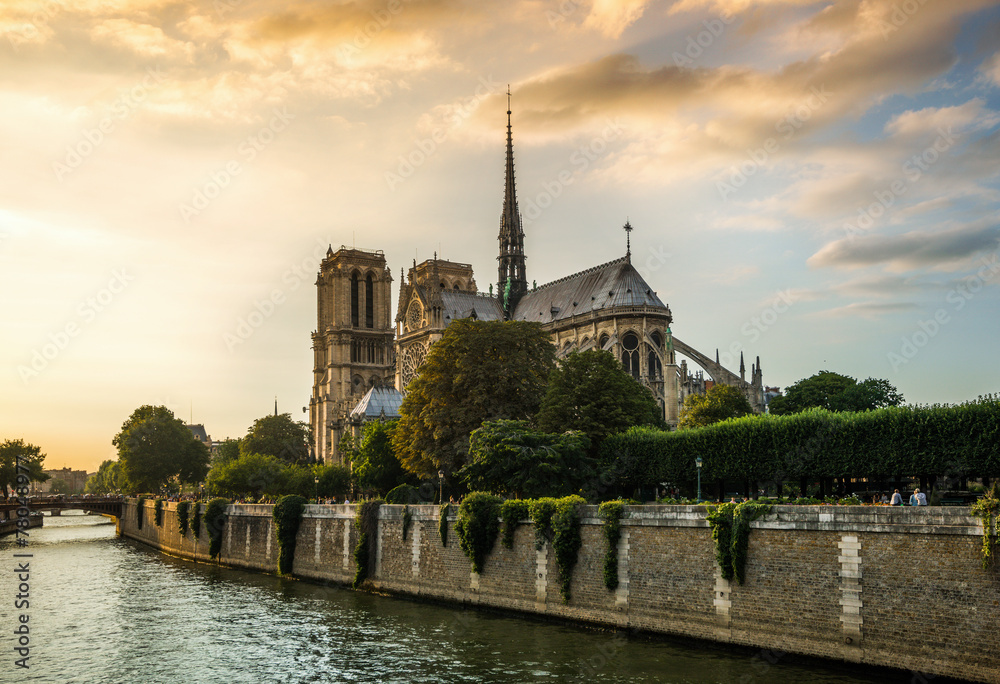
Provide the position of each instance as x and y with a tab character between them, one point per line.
353	341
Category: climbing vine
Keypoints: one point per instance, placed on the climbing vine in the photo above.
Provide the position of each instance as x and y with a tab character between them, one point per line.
407	521
730	524
287	514
611	512
364	553
541	517
512	511
477	526
443	522
183	508
196	519
215	522
566	539
158	512
140	509
987	509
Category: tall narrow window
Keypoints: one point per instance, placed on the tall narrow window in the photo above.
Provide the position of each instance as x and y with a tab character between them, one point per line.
354	299
630	354
369	302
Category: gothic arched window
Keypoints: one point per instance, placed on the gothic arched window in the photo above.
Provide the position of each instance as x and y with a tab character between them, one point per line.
369	302
603	341
630	354
354	299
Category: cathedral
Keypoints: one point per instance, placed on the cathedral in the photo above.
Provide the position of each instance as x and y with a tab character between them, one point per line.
362	363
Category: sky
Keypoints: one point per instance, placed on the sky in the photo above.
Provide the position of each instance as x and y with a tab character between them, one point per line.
813	183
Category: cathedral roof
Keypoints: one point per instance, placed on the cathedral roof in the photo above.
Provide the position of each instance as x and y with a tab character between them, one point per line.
378	402
458	305
610	285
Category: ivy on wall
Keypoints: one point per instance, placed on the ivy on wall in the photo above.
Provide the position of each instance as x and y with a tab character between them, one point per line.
196	519
566	539
407	521
541	511
215	523
158	512
477	527
140	510
612	513
287	514
443	511
183	508
730	525
987	509
512	511
364	553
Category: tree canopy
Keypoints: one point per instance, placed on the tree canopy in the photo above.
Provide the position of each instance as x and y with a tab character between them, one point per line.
592	393
257	476
278	436
720	402
105	480
477	371
154	446
376	468
13	451
507	457
835	392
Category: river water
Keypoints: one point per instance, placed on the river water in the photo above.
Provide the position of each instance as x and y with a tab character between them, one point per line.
108	610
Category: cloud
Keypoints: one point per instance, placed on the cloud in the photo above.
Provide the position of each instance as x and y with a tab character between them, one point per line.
933	120
915	249
612	17
869	310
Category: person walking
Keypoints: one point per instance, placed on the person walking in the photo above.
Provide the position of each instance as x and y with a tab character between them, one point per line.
897	499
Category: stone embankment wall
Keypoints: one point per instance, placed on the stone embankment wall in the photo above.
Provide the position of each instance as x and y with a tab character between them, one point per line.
9	526
894	587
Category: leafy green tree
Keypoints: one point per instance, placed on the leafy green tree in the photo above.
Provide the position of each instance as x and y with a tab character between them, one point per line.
376	468
105	480
835	392
249	475
508	458
278	436
154	446
477	371
228	450
719	403
60	487
592	393
30	457
334	480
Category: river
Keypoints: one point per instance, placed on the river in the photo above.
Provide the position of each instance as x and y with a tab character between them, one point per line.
108	610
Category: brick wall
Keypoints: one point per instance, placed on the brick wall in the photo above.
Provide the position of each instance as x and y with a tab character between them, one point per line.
873	585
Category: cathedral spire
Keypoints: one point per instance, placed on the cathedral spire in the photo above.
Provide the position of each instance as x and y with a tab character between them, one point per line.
511	276
628	240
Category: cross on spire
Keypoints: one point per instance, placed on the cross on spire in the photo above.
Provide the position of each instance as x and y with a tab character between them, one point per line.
628	240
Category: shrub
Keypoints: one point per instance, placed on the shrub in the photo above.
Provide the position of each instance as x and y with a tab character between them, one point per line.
215	523
611	512
730	524
158	512
287	514
183	508
364	552
541	517
443	511
477	527
512	511
403	494
987	509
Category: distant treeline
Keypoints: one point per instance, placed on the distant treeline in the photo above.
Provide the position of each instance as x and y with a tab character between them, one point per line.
922	441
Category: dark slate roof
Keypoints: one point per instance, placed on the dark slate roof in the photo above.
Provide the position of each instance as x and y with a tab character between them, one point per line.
198	431
379	402
609	285
462	305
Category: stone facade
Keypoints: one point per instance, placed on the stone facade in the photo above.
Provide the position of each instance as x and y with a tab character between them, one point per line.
869	585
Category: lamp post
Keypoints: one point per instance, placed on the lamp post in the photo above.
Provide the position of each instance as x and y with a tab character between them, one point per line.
440	486
697	462
316	480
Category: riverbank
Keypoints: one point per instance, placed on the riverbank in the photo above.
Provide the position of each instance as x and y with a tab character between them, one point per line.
10	526
899	588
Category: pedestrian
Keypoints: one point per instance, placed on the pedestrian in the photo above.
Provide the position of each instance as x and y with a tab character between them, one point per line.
921	498
915	498
897	499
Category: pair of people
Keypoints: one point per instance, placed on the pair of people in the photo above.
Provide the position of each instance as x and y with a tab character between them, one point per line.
918	498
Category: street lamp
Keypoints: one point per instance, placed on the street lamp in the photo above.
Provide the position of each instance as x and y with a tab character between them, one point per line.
697	462
316	480
441	486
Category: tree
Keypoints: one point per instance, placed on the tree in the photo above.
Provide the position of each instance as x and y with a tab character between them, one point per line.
154	446
60	487
14	452
592	393
477	371
507	457
376	468
835	392
334	480
249	475
719	403
228	450
105	480
278	436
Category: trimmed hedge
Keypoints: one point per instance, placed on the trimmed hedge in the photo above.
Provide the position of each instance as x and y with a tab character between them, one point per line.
287	514
919	441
